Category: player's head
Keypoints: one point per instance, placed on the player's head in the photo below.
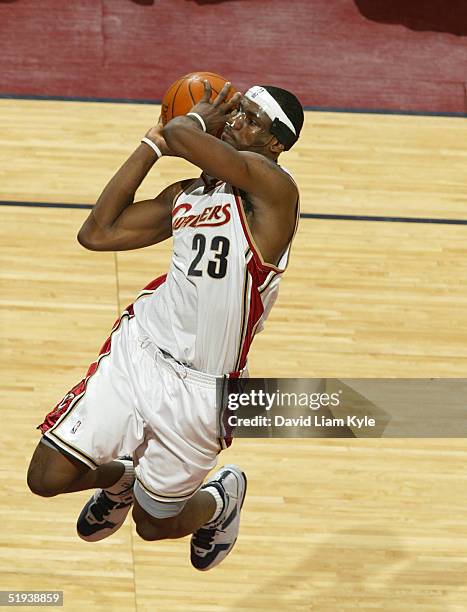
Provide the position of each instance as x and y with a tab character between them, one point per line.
268	121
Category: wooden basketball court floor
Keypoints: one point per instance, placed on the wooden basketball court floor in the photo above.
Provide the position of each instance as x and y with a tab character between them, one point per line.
327	524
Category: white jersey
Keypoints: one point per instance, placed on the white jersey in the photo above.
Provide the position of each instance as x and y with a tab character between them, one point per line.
218	291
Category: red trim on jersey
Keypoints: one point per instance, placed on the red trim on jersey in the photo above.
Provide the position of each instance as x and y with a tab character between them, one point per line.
154	284
78	390
255	312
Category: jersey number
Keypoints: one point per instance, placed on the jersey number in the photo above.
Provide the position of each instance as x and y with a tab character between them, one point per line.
217	267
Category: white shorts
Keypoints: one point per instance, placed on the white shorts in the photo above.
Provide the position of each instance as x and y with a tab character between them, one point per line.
136	401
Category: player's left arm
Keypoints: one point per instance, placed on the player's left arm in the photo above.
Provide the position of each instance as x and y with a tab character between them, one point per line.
246	170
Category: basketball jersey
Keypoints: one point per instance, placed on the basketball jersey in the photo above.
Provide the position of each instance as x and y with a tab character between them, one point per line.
218	291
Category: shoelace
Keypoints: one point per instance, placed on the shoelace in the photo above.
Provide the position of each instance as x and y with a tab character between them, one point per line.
103	506
203	538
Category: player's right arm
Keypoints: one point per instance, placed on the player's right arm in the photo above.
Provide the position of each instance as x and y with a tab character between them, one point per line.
116	222
138	225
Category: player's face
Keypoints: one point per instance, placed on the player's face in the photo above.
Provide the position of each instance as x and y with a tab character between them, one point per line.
248	127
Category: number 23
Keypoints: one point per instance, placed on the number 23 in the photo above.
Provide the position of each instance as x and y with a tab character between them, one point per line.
216	267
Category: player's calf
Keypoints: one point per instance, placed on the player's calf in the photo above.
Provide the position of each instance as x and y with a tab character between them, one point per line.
157	520
152	530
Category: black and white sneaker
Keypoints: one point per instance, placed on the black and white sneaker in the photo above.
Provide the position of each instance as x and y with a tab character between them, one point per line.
106	511
214	540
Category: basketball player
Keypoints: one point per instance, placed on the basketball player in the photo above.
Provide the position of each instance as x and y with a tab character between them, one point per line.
151	393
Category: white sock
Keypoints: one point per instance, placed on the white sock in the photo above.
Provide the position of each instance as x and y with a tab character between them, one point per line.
219	502
125	481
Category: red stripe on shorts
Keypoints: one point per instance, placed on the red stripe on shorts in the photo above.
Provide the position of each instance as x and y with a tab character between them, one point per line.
78	390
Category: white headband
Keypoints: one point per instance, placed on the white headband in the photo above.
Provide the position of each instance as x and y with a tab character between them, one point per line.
271	107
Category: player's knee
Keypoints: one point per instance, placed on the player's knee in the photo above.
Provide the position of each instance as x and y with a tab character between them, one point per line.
40	484
48	475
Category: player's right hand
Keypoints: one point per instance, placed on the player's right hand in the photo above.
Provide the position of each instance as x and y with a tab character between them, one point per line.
215	113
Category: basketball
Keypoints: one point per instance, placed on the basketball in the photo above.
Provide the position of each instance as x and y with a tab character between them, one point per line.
187	91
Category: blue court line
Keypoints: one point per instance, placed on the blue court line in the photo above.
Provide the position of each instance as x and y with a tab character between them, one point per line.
44	204
302	215
321	109
384	219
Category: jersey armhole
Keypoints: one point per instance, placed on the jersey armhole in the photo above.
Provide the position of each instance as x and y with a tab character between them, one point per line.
183	186
258	258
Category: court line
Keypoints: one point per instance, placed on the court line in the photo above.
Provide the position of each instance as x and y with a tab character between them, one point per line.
321	109
384	219
333	217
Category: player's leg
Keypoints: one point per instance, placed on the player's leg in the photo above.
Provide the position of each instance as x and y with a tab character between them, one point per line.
52	472
180	450
195	512
212	515
87	435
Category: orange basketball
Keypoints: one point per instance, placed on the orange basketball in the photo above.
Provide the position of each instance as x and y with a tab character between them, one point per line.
187	91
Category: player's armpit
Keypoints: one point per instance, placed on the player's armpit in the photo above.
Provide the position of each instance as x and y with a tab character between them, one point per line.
246	170
139	225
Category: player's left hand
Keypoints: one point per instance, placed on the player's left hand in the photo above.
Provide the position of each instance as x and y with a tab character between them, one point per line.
216	113
155	134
